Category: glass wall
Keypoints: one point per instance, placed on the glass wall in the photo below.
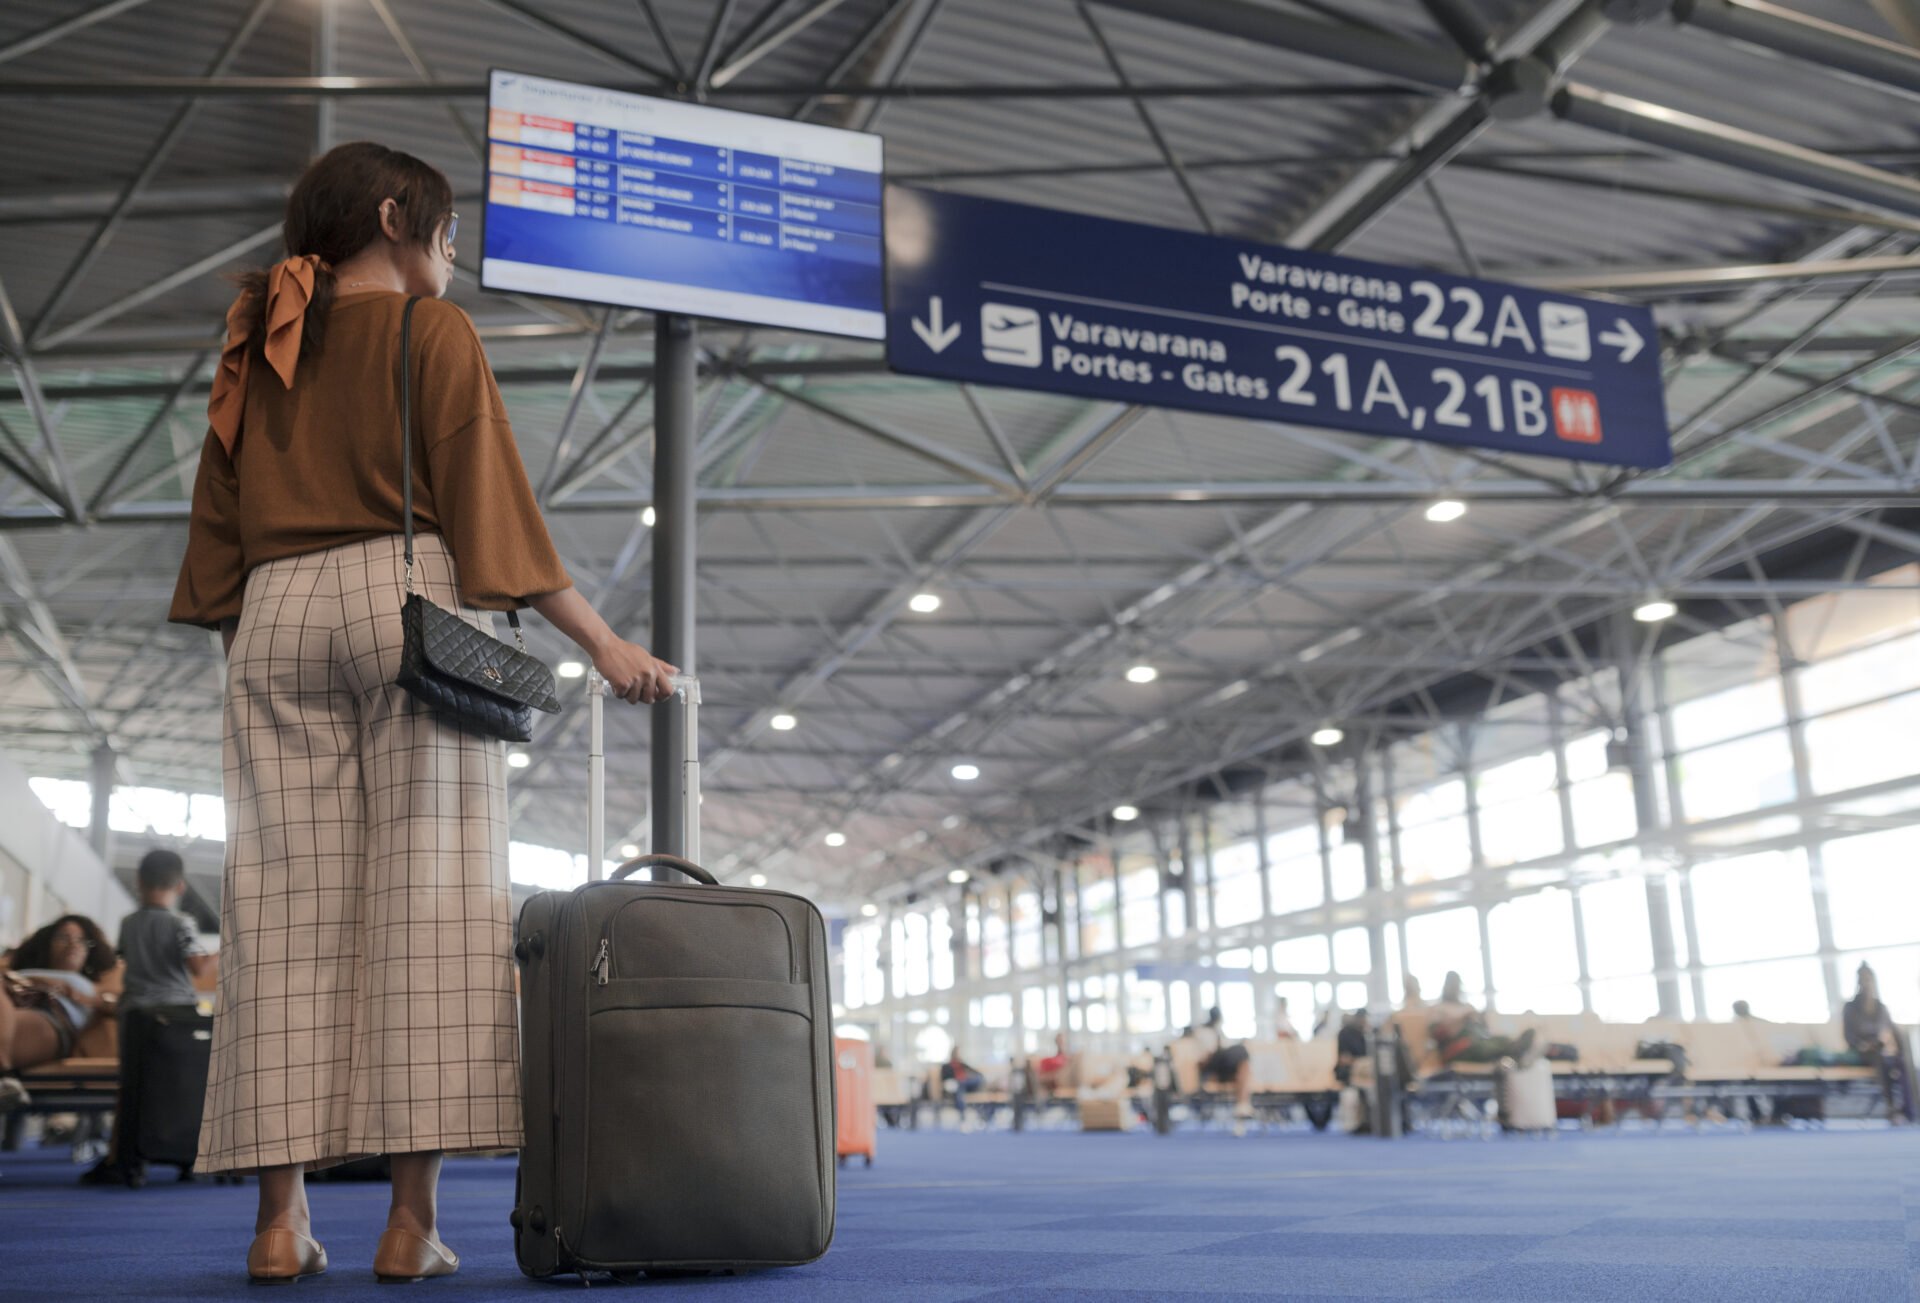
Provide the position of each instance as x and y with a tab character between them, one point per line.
1777	765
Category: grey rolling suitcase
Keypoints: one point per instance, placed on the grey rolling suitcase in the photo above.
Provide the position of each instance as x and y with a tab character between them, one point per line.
677	1065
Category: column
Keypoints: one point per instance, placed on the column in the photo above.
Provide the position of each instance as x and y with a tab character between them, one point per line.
1486	958
1635	694
1205	815
99	829
1803	792
1377	994
1263	854
1682	876
1563	789
673	563
1188	864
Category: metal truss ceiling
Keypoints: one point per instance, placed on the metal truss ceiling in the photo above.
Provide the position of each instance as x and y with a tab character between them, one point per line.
1741	167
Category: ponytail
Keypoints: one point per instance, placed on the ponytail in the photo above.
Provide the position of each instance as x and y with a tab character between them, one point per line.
253	288
333	213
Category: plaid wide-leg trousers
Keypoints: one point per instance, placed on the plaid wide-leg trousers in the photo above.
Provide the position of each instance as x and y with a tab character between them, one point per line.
366	979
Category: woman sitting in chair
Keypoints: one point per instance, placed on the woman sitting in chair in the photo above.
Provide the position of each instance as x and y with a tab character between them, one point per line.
52	992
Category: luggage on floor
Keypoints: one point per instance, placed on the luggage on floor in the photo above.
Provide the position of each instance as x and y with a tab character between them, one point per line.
854	1117
164	1054
1106	1115
677	1063
1526	1096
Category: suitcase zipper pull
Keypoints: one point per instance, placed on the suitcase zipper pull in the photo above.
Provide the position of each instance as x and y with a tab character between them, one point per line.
601	962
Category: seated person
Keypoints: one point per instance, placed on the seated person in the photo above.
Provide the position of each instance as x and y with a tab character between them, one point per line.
1229	1065
1870	1032
955	1073
1459	1032
52	993
1283	1029
1050	1073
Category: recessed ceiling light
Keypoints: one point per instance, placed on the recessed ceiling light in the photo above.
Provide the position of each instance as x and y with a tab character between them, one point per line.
781	723
1326	737
629	851
966	773
1446	509
951	822
518	759
757	880
958	876
924	603
1655	611
647	517
836	839
869	909
570	669
1125	813
1142	674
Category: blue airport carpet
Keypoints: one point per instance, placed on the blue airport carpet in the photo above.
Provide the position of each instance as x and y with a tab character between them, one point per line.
1061	1217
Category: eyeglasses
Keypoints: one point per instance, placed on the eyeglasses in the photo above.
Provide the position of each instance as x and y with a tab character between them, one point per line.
453	227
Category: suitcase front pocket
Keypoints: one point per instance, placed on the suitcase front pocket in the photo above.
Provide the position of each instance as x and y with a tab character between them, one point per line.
693	935
704	1139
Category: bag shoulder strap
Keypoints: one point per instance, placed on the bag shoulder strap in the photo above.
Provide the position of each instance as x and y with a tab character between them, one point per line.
406	433
406	452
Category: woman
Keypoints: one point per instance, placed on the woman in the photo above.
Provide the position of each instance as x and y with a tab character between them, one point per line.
1870	1031
1459	1031
53	991
366	990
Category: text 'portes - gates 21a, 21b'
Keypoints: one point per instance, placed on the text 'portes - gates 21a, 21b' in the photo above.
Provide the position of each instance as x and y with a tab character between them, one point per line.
1006	294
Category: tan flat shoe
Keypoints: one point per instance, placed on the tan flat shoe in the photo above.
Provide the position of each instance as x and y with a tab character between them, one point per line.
280	1257
404	1256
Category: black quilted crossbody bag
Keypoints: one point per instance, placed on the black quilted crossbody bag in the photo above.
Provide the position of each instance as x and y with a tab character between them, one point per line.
469	678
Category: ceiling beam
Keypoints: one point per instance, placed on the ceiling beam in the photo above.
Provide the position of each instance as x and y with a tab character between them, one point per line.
62	28
305	89
1719	142
1357	47
1858	54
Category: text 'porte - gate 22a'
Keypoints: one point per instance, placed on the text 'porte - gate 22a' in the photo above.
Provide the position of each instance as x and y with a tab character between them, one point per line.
1006	294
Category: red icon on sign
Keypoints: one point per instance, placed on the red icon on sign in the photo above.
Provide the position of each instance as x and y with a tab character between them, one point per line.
1576	415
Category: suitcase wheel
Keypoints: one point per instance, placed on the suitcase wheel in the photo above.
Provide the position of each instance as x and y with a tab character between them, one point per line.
869	1160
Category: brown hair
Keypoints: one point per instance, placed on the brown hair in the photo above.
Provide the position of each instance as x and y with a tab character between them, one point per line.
333	212
37	950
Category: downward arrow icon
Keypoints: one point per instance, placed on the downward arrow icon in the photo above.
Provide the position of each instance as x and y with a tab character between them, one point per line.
1623	337
935	336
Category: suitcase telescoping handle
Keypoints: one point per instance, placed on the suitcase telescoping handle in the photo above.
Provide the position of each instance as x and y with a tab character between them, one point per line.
662	860
686	695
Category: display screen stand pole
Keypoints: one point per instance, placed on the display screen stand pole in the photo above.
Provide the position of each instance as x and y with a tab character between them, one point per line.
674	352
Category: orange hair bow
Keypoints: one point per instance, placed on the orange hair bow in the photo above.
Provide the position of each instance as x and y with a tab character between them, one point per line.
289	290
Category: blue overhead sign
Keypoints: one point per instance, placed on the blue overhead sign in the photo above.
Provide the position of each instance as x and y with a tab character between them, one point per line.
1031	298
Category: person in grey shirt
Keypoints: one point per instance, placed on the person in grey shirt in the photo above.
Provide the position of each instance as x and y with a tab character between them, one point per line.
163	955
159	944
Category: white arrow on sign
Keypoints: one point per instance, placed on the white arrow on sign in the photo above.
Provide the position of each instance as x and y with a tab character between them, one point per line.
1623	337
934	335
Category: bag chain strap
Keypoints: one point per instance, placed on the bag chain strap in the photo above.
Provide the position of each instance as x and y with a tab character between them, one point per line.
406	454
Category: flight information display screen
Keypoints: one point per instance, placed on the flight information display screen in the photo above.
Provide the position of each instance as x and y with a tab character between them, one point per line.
625	199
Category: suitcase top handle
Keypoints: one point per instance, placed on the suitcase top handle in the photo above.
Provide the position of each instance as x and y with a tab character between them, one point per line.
687	867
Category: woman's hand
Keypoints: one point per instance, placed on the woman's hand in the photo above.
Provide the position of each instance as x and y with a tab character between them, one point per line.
632	673
54	986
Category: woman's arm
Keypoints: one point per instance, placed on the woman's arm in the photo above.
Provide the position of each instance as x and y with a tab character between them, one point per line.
634	675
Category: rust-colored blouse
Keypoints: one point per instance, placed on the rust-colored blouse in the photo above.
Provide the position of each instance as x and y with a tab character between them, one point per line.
318	465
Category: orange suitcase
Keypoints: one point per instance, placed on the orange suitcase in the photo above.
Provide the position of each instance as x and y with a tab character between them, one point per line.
853	1093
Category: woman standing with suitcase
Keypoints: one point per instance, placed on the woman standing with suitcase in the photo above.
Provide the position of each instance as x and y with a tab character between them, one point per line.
366	985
